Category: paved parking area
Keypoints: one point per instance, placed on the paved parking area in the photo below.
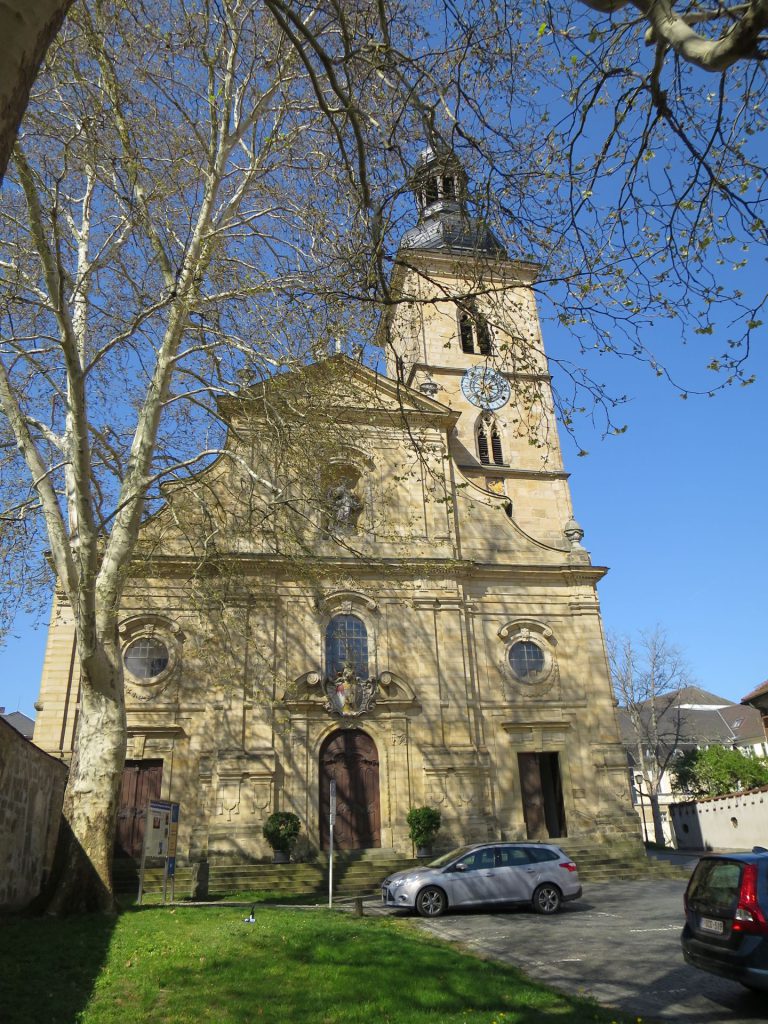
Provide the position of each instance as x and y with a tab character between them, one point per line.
620	945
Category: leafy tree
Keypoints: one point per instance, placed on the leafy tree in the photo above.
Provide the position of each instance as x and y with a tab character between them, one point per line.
717	770
647	675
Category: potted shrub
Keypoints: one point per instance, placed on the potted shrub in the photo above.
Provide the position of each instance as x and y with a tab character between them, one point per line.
281	830
423	826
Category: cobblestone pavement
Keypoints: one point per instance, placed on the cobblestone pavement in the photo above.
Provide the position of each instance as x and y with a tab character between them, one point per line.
620	945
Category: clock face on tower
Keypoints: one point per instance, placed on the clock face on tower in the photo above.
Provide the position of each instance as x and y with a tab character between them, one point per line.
485	387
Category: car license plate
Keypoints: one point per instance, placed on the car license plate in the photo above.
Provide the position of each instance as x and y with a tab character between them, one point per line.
710	924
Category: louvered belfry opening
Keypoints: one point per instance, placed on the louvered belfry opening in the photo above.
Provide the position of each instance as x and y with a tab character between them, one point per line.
482	446
498	455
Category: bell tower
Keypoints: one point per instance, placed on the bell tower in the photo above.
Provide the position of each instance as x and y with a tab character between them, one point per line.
466	332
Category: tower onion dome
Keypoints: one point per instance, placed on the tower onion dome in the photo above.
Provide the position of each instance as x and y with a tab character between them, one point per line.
440	185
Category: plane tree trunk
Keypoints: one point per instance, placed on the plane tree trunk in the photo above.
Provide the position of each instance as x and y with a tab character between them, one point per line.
84	870
27	28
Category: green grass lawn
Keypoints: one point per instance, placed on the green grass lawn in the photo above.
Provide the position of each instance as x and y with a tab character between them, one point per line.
185	965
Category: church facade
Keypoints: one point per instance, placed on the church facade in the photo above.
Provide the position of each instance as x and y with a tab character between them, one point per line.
379	582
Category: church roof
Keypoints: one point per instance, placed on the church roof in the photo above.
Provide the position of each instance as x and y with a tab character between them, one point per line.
444	227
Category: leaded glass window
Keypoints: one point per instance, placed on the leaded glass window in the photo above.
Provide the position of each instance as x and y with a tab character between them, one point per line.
346	640
146	657
526	660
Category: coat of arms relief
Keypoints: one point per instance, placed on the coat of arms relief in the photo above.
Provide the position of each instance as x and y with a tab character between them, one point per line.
348	695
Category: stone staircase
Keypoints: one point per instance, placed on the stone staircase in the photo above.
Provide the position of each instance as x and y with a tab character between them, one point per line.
618	859
355	873
360	873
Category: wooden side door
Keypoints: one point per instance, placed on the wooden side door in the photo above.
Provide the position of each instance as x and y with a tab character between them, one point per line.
350	757
533	796
541	788
141	782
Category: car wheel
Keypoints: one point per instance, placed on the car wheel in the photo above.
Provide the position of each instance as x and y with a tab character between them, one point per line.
431	902
547	899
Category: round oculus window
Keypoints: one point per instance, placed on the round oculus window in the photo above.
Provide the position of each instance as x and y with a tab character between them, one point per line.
526	659
146	657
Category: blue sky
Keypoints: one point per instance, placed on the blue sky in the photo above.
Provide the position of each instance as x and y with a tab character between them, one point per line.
675	507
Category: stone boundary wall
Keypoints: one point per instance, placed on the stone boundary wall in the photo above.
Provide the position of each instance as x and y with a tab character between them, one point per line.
31	793
737	821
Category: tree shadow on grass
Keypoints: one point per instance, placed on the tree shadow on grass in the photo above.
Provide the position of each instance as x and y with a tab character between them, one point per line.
317	968
50	966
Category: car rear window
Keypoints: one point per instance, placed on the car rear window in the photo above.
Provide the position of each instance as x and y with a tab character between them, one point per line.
714	885
539	854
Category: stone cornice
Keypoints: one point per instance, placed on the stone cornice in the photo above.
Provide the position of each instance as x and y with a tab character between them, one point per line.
247	565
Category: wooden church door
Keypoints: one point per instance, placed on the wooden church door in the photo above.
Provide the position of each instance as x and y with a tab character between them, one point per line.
141	783
350	757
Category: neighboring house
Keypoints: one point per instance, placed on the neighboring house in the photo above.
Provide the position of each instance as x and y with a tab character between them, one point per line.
428	633
758	698
21	723
690	718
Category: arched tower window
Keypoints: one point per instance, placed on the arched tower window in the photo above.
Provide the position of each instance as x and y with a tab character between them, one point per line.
489	448
475	334
346	640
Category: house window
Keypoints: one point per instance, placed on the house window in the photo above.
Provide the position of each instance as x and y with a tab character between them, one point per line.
346	640
526	659
475	334
146	657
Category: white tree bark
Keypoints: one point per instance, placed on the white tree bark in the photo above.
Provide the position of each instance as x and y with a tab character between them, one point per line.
742	36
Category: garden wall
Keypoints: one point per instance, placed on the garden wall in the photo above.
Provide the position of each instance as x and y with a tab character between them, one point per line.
31	792
737	821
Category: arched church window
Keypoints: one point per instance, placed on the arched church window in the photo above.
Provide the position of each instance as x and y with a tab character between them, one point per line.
449	187
489	448
346	641
475	334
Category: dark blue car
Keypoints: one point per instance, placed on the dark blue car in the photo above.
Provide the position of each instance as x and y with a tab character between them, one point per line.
726	917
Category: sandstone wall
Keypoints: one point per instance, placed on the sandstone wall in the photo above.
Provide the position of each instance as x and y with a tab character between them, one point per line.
31	791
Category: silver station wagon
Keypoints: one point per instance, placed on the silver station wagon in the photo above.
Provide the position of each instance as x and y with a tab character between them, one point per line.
541	875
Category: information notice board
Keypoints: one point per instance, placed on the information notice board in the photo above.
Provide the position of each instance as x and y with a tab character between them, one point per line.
160	838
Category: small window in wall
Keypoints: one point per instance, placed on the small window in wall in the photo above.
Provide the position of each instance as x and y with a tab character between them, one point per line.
146	657
346	640
526	659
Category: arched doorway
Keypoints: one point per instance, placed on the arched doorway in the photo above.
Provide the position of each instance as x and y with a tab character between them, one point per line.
350	757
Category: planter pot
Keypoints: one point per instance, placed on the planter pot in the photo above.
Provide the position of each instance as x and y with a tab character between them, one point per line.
423	851
280	857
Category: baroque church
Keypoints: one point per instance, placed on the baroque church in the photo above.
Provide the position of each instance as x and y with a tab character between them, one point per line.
379	582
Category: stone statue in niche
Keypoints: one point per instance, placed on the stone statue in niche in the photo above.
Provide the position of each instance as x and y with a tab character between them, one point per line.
344	506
